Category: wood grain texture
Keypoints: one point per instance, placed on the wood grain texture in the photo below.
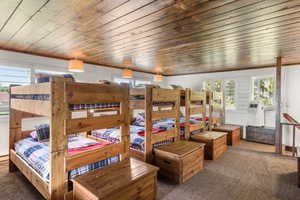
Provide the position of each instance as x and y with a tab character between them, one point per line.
180	161
170	37
126	180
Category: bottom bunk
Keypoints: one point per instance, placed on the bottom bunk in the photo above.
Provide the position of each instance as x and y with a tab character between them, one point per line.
32	158
137	138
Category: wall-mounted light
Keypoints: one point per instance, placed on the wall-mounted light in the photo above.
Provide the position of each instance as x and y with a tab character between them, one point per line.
76	66
158	78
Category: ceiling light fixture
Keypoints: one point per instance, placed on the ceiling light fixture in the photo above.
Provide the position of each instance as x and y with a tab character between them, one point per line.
127	73
76	65
158	78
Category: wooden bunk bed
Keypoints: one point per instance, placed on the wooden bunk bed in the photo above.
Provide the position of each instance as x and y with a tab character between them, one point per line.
217	123
194	103
215	142
179	160
166	102
56	100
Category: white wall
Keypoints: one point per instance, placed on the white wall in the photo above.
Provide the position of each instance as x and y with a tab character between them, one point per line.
291	102
290	97
92	74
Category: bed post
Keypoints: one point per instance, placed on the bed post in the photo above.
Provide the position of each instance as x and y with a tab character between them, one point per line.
125	137
187	114
177	123
210	110
15	123
148	126
58	140
204	102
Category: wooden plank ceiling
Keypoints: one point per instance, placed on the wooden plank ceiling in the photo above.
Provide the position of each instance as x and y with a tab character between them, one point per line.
171	37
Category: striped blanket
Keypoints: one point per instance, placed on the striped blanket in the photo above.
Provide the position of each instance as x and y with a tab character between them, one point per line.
37	155
136	138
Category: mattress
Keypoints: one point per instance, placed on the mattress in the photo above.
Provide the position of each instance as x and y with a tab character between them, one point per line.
37	155
136	136
165	124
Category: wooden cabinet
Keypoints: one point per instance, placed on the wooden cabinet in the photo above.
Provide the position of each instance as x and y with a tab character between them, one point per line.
215	143
179	161
233	133
127	180
260	134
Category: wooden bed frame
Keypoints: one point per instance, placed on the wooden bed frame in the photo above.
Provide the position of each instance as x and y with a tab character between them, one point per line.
62	93
151	95
188	99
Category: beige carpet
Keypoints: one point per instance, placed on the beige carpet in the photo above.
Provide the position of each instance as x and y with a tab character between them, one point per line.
247	171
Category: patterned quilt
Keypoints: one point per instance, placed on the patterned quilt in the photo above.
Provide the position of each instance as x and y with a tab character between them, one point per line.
37	155
136	139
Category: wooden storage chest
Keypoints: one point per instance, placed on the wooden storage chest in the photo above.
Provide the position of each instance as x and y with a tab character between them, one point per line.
259	134
130	179
179	161
215	143
234	133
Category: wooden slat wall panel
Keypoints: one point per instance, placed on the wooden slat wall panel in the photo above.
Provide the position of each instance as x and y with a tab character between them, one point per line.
203	36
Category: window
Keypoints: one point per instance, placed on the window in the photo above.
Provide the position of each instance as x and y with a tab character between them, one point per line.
215	86
11	76
206	85
132	83
229	93
263	90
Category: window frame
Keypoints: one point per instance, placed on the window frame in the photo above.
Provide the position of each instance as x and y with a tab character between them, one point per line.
212	81
253	78
4	110
235	94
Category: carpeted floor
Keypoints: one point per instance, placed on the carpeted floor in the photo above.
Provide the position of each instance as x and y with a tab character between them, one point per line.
247	171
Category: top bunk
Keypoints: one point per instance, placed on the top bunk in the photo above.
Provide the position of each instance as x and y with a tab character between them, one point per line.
159	97
76	97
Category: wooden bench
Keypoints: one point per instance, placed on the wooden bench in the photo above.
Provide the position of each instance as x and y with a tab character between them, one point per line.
179	161
130	179
215	143
234	133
